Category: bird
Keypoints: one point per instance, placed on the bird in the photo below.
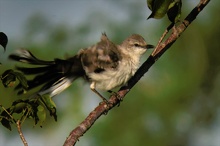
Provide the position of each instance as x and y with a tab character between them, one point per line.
104	65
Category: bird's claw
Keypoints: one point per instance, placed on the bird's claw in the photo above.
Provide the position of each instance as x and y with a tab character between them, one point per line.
107	103
117	96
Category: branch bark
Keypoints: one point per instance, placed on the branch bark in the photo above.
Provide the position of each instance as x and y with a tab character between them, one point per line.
21	133
116	98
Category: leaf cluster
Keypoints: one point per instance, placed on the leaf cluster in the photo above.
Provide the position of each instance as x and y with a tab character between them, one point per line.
161	7
33	107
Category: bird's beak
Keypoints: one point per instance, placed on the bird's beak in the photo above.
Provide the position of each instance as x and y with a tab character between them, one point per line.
150	46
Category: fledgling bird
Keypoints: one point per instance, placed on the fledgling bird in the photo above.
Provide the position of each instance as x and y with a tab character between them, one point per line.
104	65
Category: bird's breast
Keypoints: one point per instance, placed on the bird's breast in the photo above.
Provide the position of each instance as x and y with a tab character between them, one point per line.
115	77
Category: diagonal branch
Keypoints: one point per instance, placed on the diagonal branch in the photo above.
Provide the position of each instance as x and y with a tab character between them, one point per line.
115	99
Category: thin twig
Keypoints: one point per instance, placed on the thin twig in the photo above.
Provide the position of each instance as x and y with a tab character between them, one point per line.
18	123
115	99
8	113
163	36
21	134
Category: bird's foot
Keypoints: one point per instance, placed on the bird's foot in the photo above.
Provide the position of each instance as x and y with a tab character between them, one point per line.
117	96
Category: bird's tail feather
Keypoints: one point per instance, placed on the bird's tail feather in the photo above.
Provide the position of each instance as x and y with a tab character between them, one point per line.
25	56
55	76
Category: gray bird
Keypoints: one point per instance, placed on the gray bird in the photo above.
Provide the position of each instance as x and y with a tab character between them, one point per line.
104	65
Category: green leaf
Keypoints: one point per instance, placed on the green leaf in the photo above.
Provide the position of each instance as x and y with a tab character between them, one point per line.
29	108
158	7
150	4
18	106
41	114
51	106
161	7
3	40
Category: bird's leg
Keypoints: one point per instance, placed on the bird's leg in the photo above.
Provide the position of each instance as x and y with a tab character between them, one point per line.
92	87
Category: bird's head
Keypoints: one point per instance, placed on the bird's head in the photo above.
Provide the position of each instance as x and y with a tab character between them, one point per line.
135	44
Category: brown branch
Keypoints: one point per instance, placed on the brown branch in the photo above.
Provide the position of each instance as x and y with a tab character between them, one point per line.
21	134
115	99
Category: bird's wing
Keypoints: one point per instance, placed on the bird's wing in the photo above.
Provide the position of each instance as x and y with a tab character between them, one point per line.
100	57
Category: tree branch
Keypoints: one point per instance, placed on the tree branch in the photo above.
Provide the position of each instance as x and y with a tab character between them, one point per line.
116	98
21	133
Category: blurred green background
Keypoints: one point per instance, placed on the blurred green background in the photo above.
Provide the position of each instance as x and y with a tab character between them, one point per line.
175	104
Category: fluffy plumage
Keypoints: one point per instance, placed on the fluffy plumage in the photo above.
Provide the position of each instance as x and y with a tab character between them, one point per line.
105	65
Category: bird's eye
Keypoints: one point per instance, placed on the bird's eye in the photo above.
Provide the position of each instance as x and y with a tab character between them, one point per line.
136	45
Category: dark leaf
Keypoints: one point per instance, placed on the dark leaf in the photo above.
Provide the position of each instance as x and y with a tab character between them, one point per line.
18	106
8	78
6	119
6	123
22	79
174	11
3	40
